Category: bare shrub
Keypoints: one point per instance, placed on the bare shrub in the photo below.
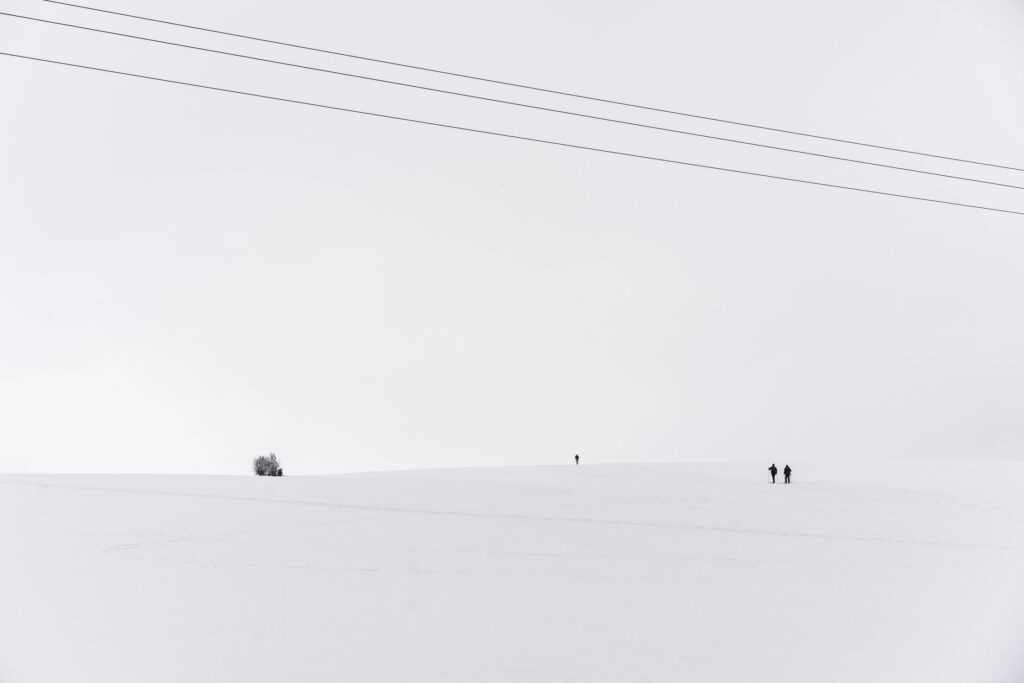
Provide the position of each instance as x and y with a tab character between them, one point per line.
267	466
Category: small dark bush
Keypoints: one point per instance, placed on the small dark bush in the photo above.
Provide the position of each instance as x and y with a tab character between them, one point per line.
267	466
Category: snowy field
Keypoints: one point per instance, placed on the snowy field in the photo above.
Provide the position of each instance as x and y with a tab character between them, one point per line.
596	573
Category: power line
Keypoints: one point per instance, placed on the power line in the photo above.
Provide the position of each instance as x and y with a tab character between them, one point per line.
515	137
512	103
535	88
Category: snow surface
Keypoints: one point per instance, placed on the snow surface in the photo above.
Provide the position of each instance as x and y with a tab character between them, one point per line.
597	573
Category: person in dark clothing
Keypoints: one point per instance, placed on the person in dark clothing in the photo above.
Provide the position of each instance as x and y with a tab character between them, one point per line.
788	471
774	470
577	458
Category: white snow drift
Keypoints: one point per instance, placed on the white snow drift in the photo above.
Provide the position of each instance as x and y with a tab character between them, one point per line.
701	573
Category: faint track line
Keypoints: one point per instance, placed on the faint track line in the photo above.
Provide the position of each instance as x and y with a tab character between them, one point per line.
468	514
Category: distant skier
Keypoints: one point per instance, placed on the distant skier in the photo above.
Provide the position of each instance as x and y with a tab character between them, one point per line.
577	458
788	471
774	470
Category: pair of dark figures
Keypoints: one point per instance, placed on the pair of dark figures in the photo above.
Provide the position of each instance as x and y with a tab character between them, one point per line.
775	470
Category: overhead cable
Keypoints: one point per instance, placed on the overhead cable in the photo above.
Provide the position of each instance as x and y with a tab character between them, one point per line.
513	103
511	136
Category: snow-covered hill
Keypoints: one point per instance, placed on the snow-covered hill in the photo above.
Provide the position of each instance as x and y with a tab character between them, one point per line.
596	573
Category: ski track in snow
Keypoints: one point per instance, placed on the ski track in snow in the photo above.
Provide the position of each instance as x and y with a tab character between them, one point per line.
520	517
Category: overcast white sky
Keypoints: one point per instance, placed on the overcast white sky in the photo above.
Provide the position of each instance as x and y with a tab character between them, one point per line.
188	279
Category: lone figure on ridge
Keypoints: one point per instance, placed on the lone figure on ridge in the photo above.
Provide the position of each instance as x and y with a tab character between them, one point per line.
577	458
